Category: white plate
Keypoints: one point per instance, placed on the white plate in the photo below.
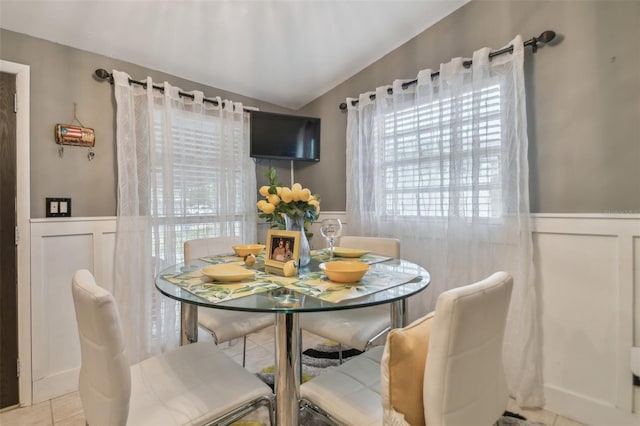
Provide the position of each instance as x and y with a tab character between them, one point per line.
227	272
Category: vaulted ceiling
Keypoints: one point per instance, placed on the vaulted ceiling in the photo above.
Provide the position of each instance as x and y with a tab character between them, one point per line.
283	52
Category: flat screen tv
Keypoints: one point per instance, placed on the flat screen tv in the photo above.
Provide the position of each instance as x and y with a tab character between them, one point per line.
284	137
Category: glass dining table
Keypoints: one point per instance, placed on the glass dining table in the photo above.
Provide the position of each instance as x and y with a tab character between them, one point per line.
388	281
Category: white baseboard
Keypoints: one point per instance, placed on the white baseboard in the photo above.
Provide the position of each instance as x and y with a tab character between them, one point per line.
58	384
586	410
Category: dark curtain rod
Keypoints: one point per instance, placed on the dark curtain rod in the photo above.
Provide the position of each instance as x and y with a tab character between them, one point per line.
103	74
544	38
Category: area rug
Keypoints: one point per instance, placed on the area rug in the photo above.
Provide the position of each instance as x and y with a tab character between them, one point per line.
315	360
324	356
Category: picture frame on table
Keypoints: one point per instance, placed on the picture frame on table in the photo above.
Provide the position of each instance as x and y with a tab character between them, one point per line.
282	246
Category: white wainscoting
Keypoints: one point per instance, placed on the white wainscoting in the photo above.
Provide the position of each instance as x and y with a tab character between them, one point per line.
587	267
58	248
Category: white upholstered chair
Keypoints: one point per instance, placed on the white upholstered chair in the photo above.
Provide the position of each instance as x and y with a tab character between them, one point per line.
192	385
356	328
222	324
444	369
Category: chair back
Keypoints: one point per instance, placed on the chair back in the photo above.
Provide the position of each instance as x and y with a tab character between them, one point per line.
202	247
383	246
464	380
105	377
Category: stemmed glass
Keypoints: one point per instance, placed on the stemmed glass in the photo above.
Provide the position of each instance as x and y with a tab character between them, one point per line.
331	229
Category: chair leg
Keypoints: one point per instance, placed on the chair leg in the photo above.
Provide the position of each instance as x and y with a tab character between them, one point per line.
305	404
238	413
244	346
244	349
300	353
272	412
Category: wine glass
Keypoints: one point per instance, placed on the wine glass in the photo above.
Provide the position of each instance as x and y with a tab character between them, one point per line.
331	229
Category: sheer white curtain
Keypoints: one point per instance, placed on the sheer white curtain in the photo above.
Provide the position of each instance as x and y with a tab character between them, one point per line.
442	165
184	172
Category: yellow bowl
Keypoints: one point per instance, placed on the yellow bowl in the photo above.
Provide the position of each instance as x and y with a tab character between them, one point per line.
244	249
344	271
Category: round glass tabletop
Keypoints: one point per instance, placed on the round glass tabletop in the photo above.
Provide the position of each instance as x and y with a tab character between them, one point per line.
385	282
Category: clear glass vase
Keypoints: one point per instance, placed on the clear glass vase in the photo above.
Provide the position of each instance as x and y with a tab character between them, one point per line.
296	223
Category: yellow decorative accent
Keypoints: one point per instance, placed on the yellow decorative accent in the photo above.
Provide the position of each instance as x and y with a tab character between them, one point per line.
249	259
407	350
289	269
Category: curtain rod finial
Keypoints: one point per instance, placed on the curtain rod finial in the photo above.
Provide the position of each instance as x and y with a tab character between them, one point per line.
343	106
544	38
547	36
103	74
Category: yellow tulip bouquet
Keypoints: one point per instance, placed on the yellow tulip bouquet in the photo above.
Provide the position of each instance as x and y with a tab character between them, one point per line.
294	202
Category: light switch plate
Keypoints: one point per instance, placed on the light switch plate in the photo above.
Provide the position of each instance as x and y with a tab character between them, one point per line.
58	207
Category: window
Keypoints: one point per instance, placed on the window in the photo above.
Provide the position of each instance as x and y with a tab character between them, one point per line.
191	190
433	162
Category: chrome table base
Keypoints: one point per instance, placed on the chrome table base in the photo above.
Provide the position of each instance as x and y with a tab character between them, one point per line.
287	374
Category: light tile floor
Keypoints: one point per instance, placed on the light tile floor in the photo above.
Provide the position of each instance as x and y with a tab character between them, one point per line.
67	409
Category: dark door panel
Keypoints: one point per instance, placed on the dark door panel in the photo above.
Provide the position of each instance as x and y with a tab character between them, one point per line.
9	394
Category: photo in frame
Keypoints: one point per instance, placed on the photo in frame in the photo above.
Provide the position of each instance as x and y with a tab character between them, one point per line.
282	246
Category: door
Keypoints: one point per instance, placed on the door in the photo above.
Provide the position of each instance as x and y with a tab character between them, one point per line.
8	257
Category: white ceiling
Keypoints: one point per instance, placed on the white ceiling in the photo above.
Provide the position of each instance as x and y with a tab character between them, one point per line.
284	52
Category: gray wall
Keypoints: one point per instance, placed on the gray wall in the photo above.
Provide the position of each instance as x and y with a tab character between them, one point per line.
583	98
60	76
583	101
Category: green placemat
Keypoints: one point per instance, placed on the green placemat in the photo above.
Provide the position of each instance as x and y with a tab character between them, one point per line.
316	284
197	283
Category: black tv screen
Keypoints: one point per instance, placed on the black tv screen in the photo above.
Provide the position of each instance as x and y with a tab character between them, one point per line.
284	137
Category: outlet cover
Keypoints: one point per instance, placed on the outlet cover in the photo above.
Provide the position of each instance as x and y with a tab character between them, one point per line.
58	207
